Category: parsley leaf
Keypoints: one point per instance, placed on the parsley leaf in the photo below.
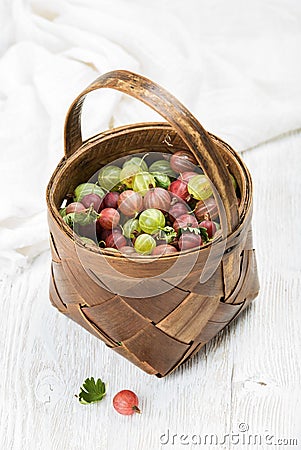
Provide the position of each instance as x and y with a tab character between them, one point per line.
92	392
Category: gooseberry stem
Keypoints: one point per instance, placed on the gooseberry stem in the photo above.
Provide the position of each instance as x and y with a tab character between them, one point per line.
142	159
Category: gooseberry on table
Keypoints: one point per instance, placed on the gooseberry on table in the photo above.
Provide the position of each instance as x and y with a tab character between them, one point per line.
126	402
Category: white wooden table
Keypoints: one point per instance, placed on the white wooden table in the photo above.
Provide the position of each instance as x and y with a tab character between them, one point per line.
245	382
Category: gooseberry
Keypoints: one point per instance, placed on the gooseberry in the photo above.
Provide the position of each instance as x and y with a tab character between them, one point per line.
128	173
199	187
126	402
115	240
135	161
85	189
109	177
130	203
127	250
234	182
185	221
92	200
102	234
88	231
162	166
131	228
157	198
111	200
189	240
186	176
206	209
75	207
151	220
109	218
178	188
182	161
162	180
210	227
176	210
87	241
164	249
142	182
144	244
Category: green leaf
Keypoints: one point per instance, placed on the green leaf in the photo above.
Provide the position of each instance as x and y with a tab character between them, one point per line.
190	229
204	234
69	219
92	392
81	218
167	234
86	217
62	212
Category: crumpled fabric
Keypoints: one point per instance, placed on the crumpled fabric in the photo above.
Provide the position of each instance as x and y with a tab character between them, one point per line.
235	65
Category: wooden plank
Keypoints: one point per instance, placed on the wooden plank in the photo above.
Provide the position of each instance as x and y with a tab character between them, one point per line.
156	355
225	312
157	307
189	318
92	292
116	318
65	289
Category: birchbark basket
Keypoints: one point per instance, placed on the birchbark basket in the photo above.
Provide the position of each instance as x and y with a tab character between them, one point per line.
146	310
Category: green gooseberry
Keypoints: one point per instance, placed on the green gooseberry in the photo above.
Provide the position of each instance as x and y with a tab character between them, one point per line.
143	182
144	244
109	177
87	188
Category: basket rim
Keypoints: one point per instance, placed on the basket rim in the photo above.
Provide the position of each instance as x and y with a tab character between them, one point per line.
245	209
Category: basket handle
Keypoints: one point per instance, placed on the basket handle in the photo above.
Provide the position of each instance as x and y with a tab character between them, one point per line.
193	134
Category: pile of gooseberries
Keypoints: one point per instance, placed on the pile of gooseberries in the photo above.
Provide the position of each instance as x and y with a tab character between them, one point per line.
147	204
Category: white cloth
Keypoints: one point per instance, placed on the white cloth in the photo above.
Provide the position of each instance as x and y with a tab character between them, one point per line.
235	65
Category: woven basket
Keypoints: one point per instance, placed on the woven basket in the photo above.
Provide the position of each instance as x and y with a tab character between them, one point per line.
154	312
